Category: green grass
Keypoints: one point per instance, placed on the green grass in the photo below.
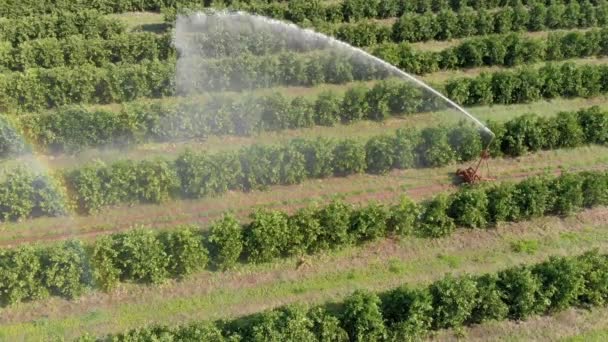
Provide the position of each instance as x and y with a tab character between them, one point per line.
525	246
377	266
600	335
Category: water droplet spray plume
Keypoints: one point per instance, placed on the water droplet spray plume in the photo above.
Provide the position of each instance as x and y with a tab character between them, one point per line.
254	22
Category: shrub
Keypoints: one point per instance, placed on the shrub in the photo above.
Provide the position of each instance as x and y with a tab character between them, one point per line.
533	197
594	124
225	241
595	188
104	261
404	148
20	279
354	104
11	141
469	207
502	203
567	193
64	269
267	236
318	155
402	217
379	154
378	101
521	135
141	256
408	312
16	195
570	131
334	219
594	268
521	291
327	108
287	323
362	318
465	142
562	282
434	149
304	231
434	220
454	300
260	167
326	327
489	301
369	222
293	165
185	249
349	158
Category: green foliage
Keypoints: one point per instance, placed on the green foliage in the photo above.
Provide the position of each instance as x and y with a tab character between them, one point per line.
594	125
225	241
25	193
434	149
567	193
11	141
141	256
562	282
318	155
533	197
362	317
521	135
502	203
285	324
571	133
402	217
469	207
593	268
404	148
305	230
20	276
379	154
489	301
368	222
349	158
521	291
354	105
326	327
454	300
185	250
334	219
408	312
63	269
327	109
595	188
434	220
466	143
104	260
267	236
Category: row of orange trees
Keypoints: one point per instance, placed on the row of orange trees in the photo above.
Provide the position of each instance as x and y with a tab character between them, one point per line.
61	24
409	313
37	89
141	256
199	174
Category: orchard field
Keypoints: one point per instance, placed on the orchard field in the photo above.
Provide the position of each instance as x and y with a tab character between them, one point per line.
300	195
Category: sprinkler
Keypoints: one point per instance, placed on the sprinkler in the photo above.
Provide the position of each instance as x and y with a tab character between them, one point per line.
471	175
